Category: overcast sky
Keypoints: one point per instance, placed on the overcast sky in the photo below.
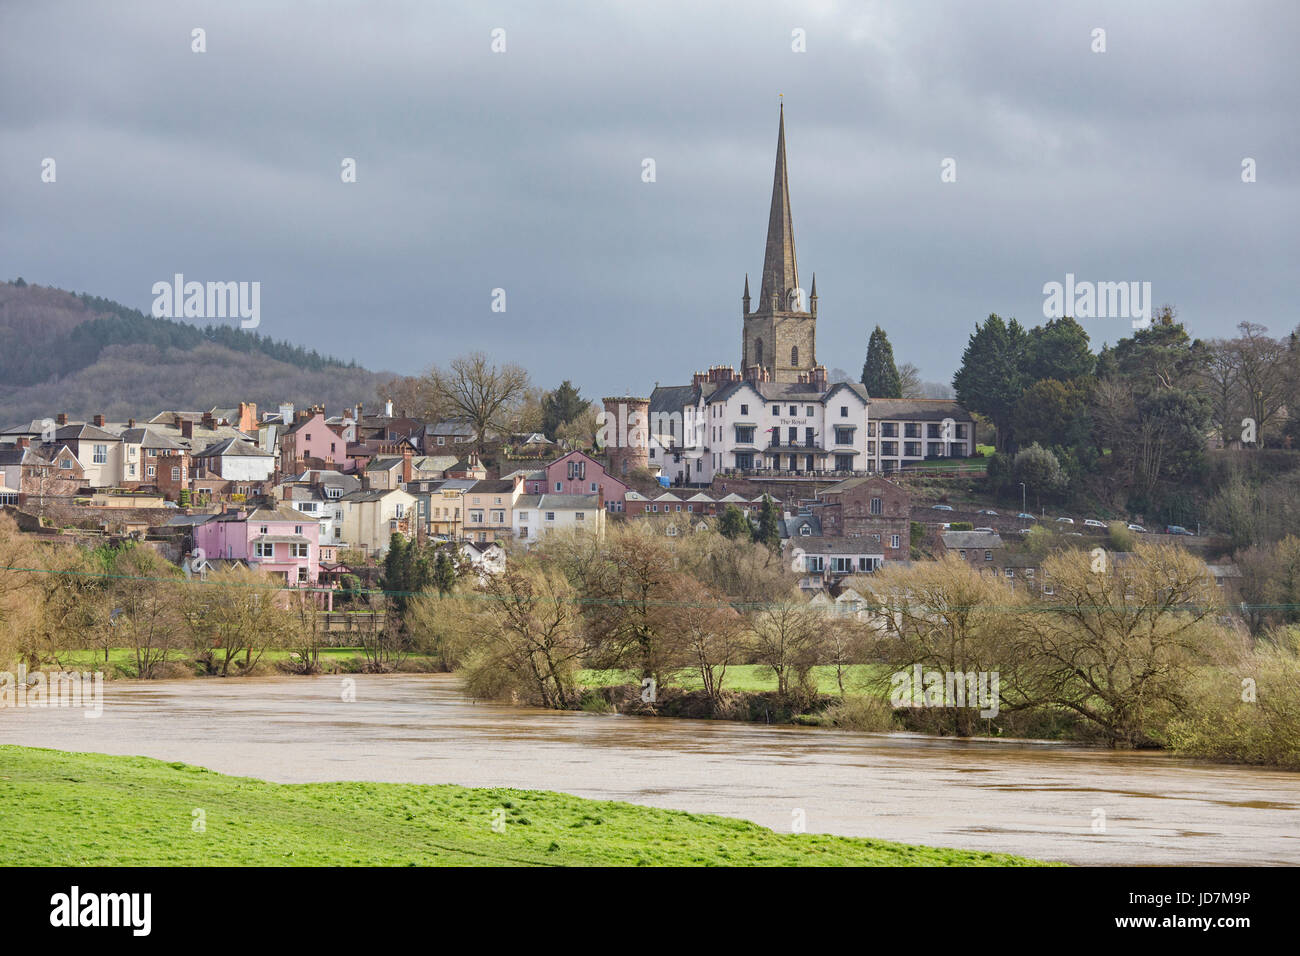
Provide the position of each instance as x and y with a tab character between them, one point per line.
522	170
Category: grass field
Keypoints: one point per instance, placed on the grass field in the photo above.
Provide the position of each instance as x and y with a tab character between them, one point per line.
751	678
66	809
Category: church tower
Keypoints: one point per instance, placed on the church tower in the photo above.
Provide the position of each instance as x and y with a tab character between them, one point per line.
780	335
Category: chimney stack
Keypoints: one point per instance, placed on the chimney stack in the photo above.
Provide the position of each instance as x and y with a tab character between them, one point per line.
208	421
23	441
99	421
187	428
388	408
62	418
406	465
130	423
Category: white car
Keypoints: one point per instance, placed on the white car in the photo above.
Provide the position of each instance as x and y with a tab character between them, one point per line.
1094	523
1138	528
1065	521
986	511
989	530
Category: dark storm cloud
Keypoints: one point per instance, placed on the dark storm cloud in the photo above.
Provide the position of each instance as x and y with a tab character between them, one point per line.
522	170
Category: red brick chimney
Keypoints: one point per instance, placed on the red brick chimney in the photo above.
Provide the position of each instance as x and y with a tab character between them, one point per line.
99	421
23	441
130	423
187	428
62	418
406	464
208	421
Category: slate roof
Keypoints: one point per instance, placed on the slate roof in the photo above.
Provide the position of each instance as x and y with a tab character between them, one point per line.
971	540
917	409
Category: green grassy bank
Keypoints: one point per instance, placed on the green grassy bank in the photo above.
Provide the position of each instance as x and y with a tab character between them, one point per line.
71	809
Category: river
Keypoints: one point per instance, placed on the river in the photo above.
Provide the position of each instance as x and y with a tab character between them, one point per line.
1033	798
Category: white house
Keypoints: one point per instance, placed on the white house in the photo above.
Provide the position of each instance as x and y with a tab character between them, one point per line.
370	518
536	516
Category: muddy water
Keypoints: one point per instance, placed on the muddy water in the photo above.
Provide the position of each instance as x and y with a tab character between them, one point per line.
1036	799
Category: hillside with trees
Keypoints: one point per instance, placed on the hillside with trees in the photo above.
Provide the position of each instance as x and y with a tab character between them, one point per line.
66	352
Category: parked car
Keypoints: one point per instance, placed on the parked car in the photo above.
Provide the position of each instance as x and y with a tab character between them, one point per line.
1179	529
987	511
989	530
1138	528
941	507
1025	514
1065	521
1094	523
1023	530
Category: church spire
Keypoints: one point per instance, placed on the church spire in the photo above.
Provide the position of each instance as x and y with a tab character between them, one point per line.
780	274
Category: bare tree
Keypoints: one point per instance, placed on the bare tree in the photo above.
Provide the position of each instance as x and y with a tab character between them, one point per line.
1262	366
486	395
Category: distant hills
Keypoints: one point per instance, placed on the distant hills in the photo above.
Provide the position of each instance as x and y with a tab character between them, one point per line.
83	355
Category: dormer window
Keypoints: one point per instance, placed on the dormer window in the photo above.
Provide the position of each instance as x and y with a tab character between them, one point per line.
805	531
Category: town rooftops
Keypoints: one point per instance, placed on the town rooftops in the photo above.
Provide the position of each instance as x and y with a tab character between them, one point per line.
148	438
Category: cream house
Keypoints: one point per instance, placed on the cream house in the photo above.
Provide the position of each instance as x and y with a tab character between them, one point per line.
370	518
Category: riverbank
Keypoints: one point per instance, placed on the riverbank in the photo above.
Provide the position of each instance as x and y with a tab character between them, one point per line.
77	809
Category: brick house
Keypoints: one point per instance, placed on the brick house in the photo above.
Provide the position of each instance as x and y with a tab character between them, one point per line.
871	508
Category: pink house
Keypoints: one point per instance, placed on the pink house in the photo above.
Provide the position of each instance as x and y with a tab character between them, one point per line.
579	474
280	541
314	439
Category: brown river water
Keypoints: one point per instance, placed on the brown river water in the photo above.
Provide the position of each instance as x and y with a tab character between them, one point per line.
1032	798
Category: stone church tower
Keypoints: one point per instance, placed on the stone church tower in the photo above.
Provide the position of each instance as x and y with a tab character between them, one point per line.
780	336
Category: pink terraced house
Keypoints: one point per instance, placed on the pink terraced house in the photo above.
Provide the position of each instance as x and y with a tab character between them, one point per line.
280	541
312	443
578	474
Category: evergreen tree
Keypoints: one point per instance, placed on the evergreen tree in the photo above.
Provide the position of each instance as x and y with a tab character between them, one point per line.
444	573
734	524
990	380
768	531
561	406
879	374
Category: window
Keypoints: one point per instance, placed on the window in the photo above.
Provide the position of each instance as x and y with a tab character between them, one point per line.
176	473
988	555
894	541
550	516
262	530
808	410
745	434
399	510
654	508
150	471
594	489
805	531
130	451
331	448
794	355
298	549
101	454
476	516
813	562
523	517
333	492
559	486
877	506
66	464
130	470
499	516
308	506
1011	573
297	529
744	409
844	411
302	575
776	409
497	501
264	549
441	440
523	532
794	410
808	437
843	436
962	554
580	516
